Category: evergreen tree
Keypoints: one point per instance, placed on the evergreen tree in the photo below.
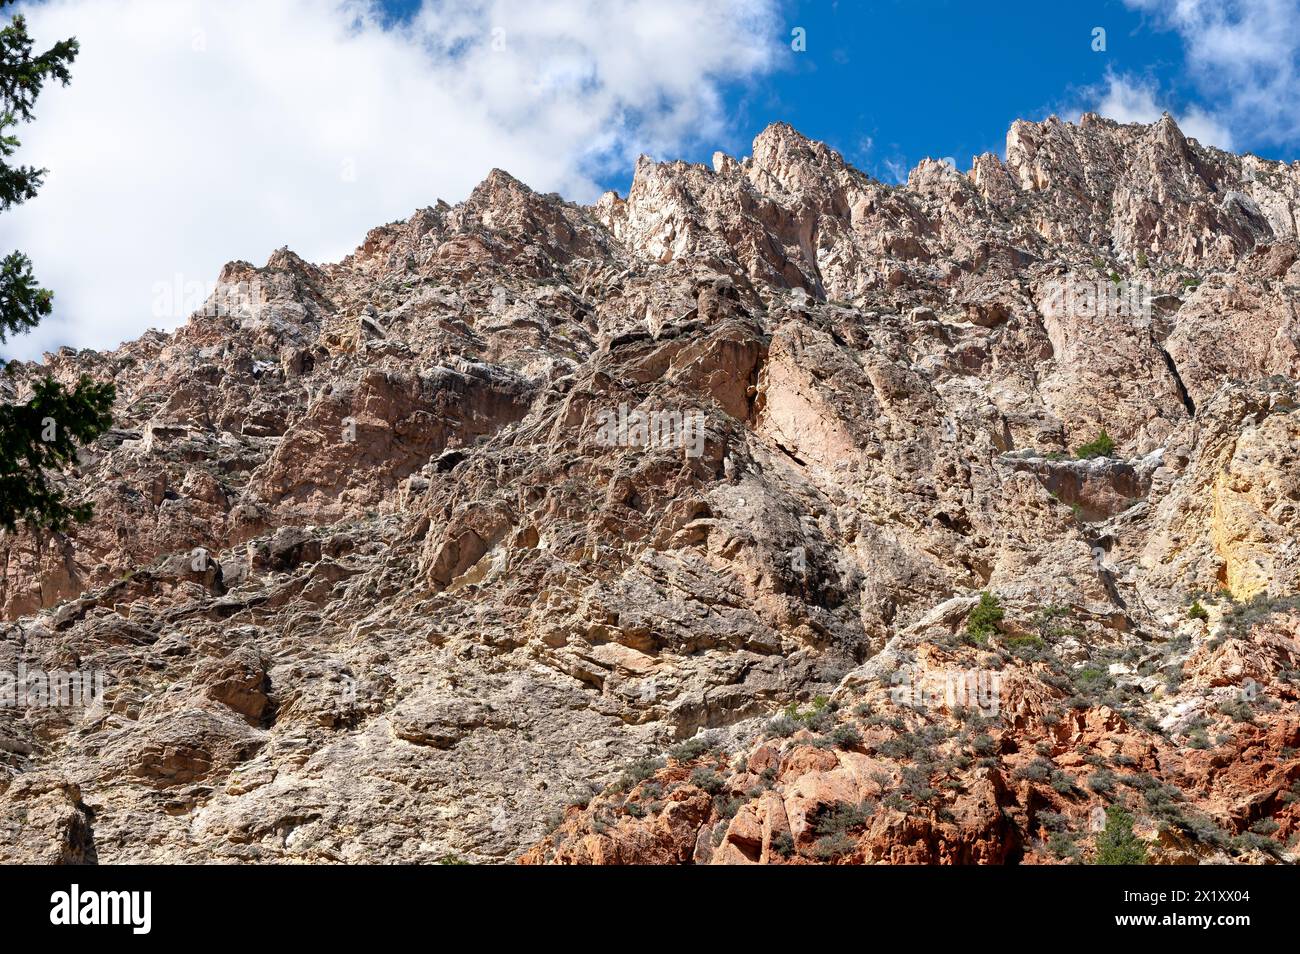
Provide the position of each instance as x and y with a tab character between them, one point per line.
984	619
1102	446
44	433
1117	845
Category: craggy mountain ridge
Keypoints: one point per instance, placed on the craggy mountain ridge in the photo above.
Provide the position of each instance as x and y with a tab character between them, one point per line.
655	531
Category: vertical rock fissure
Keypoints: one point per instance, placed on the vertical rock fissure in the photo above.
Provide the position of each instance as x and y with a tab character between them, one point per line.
1178	382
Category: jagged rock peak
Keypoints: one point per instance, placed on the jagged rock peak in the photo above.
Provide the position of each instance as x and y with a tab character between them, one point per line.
417	553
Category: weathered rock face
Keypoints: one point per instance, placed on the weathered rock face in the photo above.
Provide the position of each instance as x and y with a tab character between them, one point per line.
934	752
395	558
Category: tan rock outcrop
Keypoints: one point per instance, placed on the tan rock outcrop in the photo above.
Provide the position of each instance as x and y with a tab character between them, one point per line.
411	556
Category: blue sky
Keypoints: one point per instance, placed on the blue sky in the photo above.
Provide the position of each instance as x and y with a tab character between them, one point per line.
224	130
889	82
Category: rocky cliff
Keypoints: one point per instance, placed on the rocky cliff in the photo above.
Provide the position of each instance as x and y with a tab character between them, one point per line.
656	530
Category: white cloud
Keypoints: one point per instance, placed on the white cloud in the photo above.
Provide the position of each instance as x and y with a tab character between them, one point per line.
896	168
1129	100
194	133
1244	56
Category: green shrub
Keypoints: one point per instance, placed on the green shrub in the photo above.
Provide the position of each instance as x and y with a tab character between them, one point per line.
1197	611
815	717
637	772
1047	621
1039	770
691	749
707	779
845	737
842	817
727	807
1242	616
1102	781
883	780
1054	821
1101	446
1062	846
1062	783
1265	826
832	847
1026	646
984	619
1092	680
916	784
1117	845
1207	832
1249	840
1237	709
900	747
1174	677
782	727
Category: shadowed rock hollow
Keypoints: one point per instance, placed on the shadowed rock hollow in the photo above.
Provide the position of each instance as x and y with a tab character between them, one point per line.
371	579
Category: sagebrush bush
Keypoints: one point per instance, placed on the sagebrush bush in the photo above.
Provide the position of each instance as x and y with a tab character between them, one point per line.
1039	770
783	844
1062	846
842	817
782	727
691	749
1102	781
1100	446
707	779
832	846
637	772
846	737
1240	617
1062	783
